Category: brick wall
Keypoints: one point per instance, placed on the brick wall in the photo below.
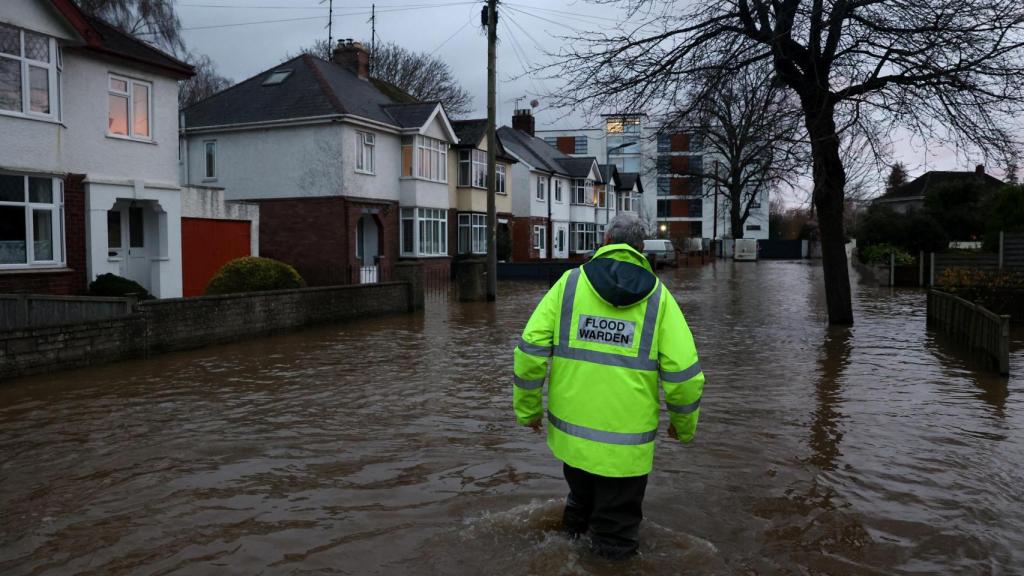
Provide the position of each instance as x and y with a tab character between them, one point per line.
63	281
317	236
178	324
522	238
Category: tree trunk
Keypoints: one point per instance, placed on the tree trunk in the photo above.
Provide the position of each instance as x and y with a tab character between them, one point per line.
736	213
829	200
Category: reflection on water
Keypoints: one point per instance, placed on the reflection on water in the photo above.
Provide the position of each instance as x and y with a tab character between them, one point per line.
389	446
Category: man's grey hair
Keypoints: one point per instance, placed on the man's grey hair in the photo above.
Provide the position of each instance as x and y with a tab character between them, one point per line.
626	228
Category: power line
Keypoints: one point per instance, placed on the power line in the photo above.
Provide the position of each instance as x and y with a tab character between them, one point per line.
565	13
555	22
454	34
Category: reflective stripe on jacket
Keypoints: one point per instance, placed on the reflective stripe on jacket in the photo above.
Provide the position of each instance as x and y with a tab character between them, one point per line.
605	365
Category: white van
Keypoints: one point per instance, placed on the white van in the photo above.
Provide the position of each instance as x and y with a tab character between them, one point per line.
662	250
745	250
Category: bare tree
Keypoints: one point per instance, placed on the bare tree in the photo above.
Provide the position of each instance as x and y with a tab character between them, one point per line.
949	70
752	134
154	21
420	74
204	84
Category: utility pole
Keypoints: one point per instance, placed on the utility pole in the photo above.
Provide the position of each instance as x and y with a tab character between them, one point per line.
492	148
330	26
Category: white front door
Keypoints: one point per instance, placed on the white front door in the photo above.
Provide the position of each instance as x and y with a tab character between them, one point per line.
561	240
126	241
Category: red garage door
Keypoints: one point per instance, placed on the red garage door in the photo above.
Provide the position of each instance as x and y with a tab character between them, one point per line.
206	245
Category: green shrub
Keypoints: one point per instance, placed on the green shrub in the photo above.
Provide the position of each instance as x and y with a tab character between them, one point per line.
879	254
253	274
116	286
1005	211
914	232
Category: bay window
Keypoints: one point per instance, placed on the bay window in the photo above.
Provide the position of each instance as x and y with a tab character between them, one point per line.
424	232
473	168
129	108
583	191
472	233
365	144
31	221
627	202
426	158
582	236
29	73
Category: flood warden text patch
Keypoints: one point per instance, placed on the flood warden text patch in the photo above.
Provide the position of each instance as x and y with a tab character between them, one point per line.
606	330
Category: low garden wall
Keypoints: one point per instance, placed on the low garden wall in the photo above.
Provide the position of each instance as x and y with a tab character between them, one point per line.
178	324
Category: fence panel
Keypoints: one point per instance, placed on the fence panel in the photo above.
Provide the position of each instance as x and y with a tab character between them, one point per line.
979	329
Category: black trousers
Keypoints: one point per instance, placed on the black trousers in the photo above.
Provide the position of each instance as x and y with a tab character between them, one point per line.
610	508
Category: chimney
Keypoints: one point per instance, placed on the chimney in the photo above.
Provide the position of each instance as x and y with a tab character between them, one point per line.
352	55
523	120
979	169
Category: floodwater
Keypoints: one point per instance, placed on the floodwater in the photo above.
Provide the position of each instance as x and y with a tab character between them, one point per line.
388	446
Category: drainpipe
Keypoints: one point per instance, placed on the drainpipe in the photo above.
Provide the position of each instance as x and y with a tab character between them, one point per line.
551	225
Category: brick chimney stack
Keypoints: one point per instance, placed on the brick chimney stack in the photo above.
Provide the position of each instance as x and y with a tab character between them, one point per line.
523	120
979	169
352	55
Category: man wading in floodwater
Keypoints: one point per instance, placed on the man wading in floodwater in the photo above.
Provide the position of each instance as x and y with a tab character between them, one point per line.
611	331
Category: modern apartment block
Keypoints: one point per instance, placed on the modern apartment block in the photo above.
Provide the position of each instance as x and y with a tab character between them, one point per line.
671	164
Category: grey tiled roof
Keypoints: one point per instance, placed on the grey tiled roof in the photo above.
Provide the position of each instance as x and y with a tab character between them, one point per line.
930	180
113	41
542	155
608	171
628	179
315	87
470	132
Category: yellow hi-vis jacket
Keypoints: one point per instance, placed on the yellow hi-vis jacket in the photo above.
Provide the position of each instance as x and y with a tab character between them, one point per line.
606	362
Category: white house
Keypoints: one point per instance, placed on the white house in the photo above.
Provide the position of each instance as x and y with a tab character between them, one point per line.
88	173
350	172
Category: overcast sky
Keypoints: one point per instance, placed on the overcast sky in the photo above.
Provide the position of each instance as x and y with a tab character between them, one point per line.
230	33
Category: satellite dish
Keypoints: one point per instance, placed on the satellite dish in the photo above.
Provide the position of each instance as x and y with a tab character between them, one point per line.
534	103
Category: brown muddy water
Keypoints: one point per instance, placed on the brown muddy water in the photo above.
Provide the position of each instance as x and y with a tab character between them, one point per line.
388	446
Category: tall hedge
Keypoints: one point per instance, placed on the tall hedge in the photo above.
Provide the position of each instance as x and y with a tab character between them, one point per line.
254	274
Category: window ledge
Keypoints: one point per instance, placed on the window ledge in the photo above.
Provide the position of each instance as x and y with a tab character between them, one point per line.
364	172
130	139
205	180
51	269
33	117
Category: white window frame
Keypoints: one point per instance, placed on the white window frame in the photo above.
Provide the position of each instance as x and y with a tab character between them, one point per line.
366	146
475	226
436	169
131	83
558	191
540	194
499	175
56	208
582	237
429	230
207	177
53	75
583	189
540	238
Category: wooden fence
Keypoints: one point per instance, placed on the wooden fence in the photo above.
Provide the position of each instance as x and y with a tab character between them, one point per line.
979	329
22	311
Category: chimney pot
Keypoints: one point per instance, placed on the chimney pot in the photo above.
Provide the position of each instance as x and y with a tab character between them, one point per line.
979	169
522	119
352	55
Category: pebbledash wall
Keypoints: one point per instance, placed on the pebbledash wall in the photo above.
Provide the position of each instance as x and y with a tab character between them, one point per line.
184	323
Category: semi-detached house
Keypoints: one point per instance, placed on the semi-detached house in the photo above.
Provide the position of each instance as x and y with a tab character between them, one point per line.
88	142
351	173
469	192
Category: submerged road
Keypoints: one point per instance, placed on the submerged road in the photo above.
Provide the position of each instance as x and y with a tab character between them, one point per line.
388	446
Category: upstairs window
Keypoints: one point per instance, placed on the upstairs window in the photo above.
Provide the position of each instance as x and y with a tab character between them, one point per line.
499	172
425	158
540	188
583	192
558	190
29	73
210	158
473	168
365	144
129	108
